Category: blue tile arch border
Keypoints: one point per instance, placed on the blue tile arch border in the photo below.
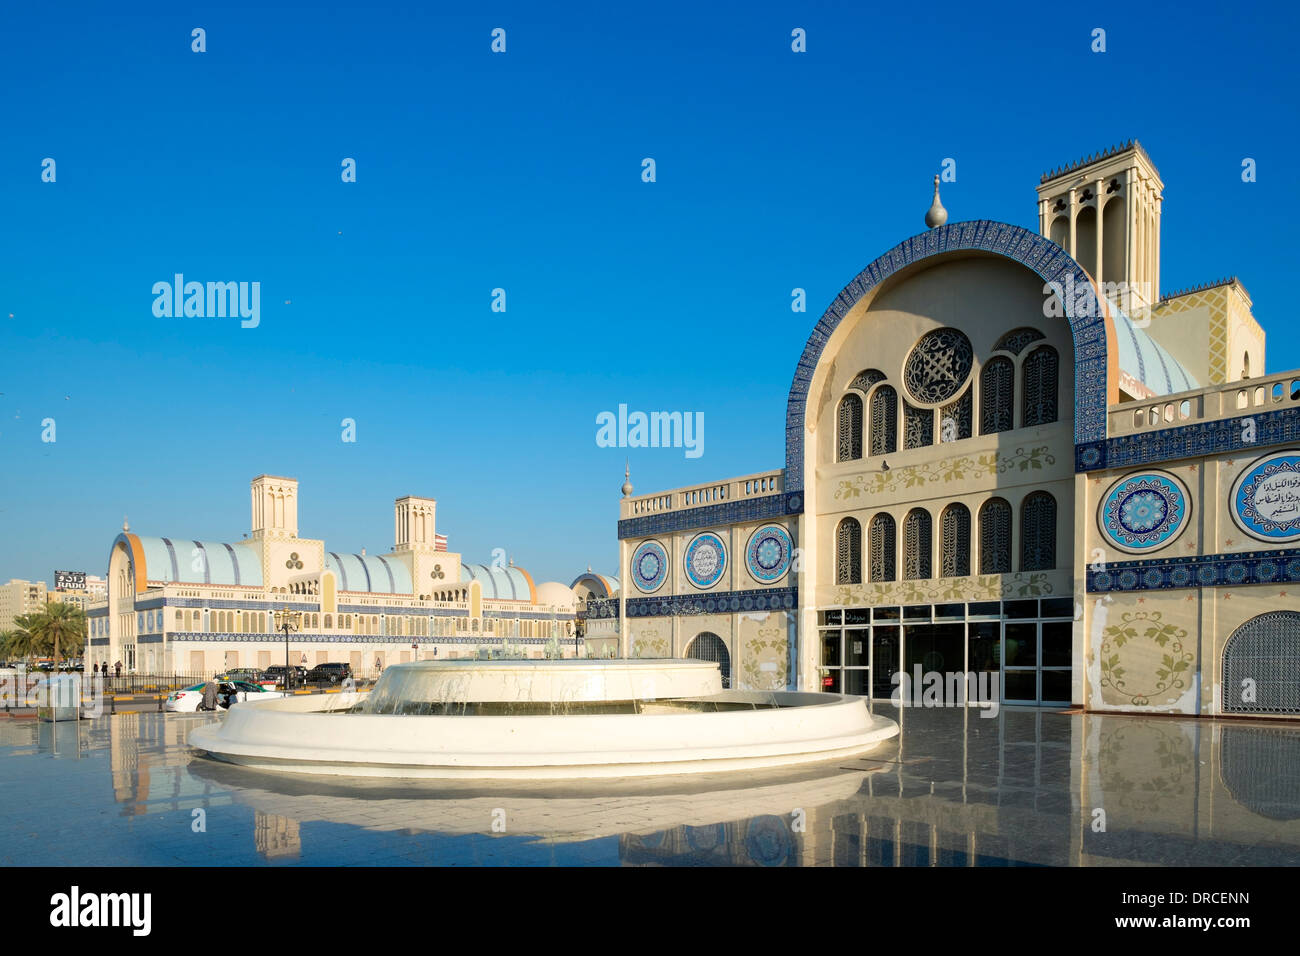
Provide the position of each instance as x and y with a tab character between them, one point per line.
1036	252
1278	427
714	602
1199	571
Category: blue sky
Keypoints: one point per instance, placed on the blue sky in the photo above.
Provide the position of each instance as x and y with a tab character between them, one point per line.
521	171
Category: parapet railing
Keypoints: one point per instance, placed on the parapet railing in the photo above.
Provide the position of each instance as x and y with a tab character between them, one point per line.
747	486
1220	401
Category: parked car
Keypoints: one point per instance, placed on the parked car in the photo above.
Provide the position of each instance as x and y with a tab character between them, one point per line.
297	674
333	673
188	700
251	674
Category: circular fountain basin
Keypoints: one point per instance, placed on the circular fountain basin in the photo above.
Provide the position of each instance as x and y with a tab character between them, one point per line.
404	687
543	719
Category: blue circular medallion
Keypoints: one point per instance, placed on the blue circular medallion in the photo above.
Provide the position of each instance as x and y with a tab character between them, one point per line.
706	559
1266	498
768	554
1144	512
649	566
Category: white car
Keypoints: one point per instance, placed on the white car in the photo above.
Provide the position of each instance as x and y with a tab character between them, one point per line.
229	692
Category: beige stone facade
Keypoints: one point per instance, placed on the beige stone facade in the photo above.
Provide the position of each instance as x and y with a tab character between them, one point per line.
177	605
1005	459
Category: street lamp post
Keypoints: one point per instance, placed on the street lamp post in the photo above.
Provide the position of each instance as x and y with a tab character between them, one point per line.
288	621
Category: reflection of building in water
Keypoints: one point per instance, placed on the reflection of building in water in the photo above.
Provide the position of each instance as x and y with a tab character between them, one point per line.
177	605
148	762
276	837
1006	451
1031	789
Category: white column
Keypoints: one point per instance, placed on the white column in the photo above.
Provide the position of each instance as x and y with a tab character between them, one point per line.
1155	252
1130	232
1074	213
625	581
1098	186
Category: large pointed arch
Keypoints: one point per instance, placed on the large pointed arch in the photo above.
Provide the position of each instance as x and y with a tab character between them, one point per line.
1095	357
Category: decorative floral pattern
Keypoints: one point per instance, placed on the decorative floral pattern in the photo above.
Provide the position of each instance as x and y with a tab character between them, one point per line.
1144	512
960	468
987	587
649	566
939	365
1167	679
1266	498
768	554
706	560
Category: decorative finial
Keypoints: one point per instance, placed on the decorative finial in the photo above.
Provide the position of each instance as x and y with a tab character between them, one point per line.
126	525
627	478
589	569
937	215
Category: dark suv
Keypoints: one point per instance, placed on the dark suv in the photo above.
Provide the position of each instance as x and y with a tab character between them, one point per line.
329	673
297	674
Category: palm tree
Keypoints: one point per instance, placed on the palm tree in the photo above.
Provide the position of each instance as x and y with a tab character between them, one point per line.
55	624
18	642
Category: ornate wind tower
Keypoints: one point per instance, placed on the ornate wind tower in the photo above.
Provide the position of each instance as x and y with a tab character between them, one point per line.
1105	211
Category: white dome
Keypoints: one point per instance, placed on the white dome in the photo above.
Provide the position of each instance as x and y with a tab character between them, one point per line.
556	594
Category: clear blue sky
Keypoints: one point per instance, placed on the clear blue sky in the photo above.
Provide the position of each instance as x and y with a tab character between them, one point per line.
522	171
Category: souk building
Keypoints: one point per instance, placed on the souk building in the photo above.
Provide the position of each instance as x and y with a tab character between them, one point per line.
1006	452
178	605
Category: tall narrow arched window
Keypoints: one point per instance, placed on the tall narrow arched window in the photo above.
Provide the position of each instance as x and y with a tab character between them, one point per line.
955	419
1038	532
848	552
884	542
918	427
917	538
955	528
995	537
848	439
884	421
997	396
1041	371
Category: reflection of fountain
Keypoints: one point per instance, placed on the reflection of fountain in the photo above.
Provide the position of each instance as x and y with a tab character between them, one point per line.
544	718
556	811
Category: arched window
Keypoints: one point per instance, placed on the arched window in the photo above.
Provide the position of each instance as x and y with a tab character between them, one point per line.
1038	532
1041	371
918	427
329	620
848	552
883	547
955	419
709	647
995	537
997	396
848	446
955	528
916	534
884	421
1267	644
1017	340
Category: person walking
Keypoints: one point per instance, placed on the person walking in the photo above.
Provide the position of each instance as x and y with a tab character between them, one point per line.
117	669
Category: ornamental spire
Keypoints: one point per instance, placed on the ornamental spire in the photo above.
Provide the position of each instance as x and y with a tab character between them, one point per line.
937	215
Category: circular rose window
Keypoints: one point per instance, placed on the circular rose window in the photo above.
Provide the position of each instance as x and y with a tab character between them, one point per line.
939	366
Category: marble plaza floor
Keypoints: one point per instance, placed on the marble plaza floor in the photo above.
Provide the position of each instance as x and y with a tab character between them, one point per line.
1028	787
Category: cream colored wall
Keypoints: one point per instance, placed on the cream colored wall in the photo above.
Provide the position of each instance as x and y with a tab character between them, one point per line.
1184	334
1161	651
985	297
